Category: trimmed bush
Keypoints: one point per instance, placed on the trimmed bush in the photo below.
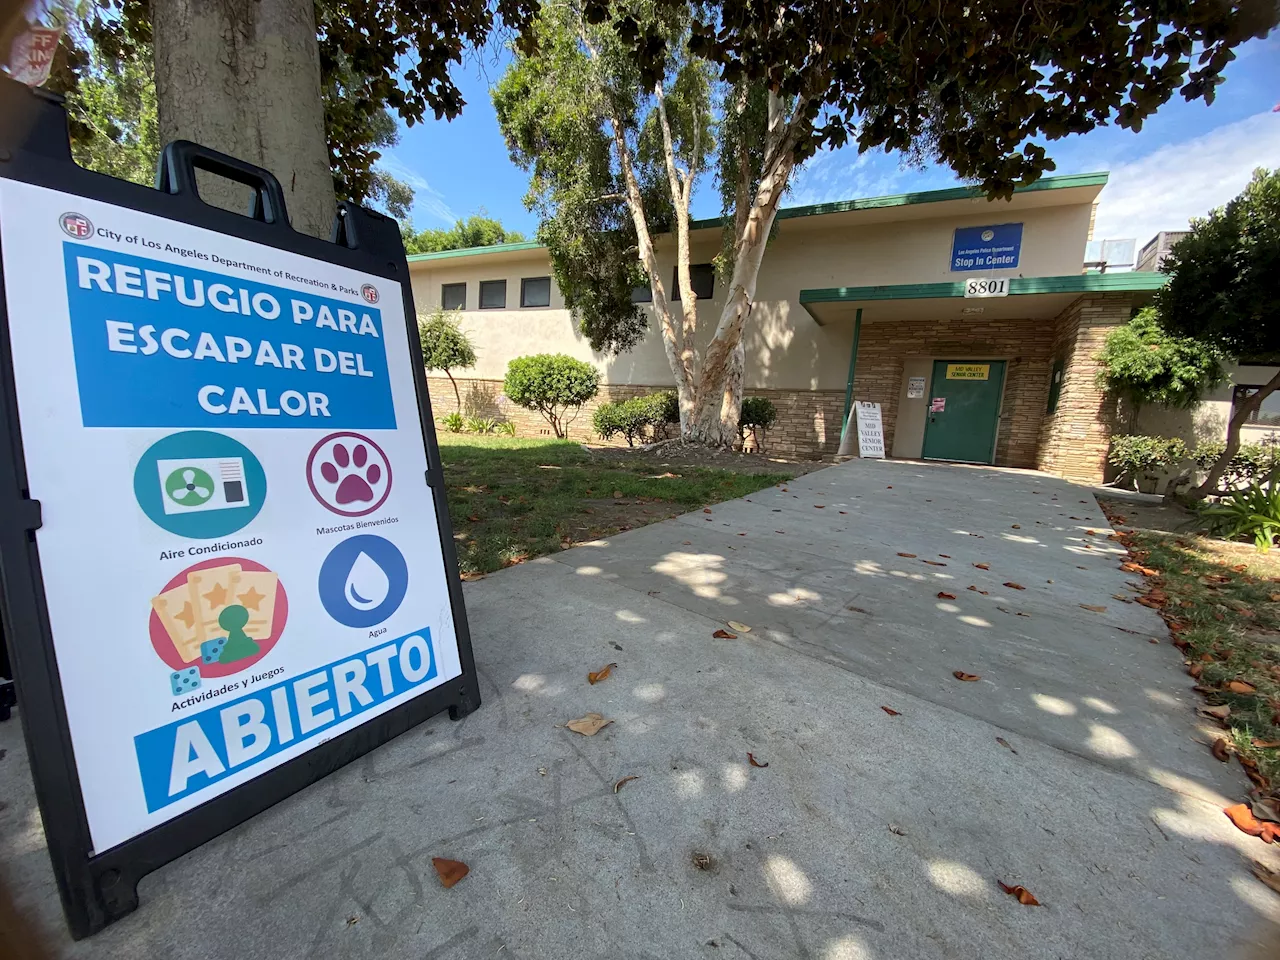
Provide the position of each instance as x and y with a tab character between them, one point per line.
758	413
1253	462
630	417
1141	458
554	384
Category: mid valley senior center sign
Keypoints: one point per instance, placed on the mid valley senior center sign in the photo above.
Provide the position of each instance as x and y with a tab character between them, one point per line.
240	557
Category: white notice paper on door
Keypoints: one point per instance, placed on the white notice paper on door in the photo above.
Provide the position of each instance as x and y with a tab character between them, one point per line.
870	430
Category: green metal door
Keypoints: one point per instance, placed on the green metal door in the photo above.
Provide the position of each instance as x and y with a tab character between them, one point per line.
964	408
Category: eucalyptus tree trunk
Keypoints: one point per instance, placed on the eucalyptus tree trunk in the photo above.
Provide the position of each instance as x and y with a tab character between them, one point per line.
718	395
1239	417
243	77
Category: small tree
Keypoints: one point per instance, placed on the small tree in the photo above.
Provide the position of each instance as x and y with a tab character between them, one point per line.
553	384
1142	363
1223	290
445	347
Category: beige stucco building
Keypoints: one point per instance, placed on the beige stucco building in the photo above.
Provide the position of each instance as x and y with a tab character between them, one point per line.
859	300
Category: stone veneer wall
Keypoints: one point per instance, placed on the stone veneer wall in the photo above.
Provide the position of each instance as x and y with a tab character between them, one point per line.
1072	443
1075	438
1026	345
808	423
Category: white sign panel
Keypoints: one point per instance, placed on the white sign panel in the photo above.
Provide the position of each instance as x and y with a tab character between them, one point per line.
240	554
915	388
870	430
979	287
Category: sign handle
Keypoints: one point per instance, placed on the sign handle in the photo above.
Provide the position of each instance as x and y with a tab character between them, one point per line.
176	174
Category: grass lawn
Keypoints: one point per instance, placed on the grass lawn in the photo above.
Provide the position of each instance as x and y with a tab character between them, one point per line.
1222	604
513	498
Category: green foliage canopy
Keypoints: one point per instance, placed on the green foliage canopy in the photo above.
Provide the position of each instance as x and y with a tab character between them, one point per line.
1145	364
477	230
1224	276
553	384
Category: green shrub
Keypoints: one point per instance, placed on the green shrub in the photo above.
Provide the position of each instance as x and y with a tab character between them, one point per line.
507	428
758	413
1139	457
1253	462
553	384
630	417
453	422
481	424
1252	512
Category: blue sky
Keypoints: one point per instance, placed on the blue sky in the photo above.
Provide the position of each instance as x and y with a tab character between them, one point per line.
1187	159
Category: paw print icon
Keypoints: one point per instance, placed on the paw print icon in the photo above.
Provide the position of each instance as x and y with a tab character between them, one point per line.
349	474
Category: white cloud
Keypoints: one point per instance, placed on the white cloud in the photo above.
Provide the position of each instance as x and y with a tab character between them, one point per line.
1167	187
426	199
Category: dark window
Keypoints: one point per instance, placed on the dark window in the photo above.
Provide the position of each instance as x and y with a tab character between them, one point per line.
642	294
1268	415
535	292
453	296
1055	385
493	294
703	278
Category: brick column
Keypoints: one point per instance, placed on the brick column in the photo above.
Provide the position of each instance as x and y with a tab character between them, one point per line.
1075	438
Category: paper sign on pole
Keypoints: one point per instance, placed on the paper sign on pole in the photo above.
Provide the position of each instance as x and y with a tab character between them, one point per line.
870	430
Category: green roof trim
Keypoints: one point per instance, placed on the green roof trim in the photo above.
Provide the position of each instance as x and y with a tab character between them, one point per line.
473	251
1136	281
924	196
819	209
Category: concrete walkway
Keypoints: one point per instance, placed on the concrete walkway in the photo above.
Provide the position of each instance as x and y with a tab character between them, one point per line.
866	836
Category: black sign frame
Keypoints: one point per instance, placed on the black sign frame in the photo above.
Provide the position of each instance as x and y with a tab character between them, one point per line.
100	888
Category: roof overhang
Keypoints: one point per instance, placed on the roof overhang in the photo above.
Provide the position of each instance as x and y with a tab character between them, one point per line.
1030	298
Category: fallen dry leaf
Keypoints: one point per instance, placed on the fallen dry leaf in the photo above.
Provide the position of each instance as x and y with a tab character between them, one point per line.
1268	876
976	590
1022	893
627	779
983	566
961	675
945	556
1015	526
1216	713
589	725
1265	744
891	712
934	563
946	596
450	871
706	509
894	828
909	556
1220	750
1094	607
1014	586
751	757
1241	686
352	921
740	627
1275	598
597	675
724	635
1005	743
1195	670
687	542
1246	822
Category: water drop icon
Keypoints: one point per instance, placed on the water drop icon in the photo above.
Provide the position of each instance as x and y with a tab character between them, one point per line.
367	583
